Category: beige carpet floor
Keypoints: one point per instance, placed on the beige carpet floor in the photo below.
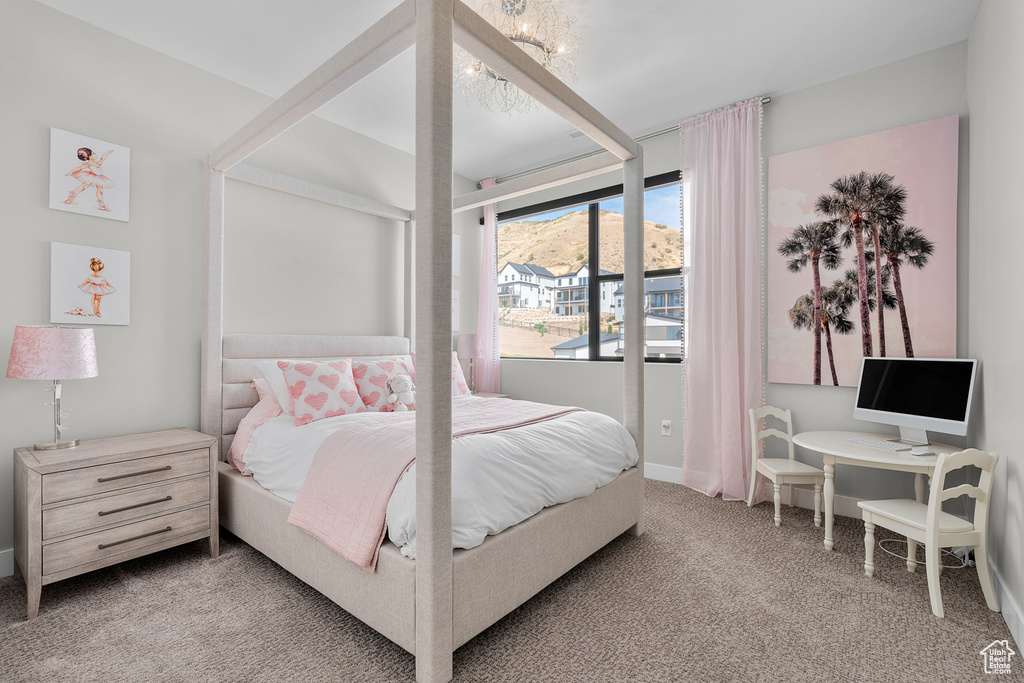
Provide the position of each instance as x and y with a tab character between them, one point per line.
712	592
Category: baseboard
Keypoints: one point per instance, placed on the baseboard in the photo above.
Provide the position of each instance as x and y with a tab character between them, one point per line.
6	563
673	475
844	506
1012	614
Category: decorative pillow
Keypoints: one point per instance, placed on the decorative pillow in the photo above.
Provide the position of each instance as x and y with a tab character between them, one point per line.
459	385
275	380
321	389
267	408
264	391
372	378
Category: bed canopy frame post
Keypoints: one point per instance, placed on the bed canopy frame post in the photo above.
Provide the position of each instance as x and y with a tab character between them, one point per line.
211	370
433	323
633	311
433	25
409	285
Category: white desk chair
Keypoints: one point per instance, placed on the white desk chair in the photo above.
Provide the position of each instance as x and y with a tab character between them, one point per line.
928	524
780	471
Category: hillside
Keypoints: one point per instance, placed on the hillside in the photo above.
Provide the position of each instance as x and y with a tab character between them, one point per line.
561	245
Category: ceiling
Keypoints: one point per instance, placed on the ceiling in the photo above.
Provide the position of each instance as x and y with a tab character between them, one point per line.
645	64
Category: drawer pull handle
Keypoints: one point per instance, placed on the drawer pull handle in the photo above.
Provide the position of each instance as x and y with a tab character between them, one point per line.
104	546
134	474
102	513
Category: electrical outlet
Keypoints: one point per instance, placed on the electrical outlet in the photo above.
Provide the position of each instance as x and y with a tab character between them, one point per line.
666	427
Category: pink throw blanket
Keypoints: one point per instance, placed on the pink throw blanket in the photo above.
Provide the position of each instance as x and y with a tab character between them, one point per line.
344	498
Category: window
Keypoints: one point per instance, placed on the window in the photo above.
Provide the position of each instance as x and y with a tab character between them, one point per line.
578	244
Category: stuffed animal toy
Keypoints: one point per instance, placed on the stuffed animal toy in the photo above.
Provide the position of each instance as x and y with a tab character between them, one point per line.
400	393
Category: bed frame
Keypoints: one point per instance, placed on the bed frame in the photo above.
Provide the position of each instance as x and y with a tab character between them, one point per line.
488	581
436	603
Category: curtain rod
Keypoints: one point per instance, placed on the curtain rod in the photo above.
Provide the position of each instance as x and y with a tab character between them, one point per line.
764	100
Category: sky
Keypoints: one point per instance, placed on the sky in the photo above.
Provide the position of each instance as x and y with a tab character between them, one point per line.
661	205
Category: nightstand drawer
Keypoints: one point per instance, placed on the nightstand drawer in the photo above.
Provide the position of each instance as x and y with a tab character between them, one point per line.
124	507
88	481
105	544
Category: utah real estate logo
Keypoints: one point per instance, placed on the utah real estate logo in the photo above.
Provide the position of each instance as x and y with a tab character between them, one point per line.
997	657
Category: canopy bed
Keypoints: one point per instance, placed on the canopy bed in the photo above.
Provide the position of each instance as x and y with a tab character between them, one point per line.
435	603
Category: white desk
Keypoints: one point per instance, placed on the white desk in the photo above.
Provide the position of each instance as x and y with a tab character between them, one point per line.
835	449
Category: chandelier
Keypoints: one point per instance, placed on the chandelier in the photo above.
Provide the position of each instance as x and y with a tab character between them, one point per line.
540	30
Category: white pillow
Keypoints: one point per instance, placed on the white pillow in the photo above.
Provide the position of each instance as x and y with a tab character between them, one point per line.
459	385
275	380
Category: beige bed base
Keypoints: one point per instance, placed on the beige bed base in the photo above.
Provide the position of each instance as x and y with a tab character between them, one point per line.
488	581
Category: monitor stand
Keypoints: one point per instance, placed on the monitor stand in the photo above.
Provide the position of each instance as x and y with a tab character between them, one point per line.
913	436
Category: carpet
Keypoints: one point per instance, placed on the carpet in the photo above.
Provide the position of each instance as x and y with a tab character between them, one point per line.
713	591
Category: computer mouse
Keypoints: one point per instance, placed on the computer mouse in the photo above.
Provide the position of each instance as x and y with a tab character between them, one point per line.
921	451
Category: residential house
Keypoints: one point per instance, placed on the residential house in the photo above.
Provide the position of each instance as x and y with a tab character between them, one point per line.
580	346
525	285
572	292
662	296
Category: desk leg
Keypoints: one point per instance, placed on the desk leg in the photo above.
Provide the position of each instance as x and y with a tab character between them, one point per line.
919	489
830	492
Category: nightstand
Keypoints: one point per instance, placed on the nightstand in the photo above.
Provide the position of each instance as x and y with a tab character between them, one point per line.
110	500
484	394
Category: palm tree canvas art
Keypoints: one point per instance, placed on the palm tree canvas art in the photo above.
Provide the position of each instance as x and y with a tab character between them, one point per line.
862	252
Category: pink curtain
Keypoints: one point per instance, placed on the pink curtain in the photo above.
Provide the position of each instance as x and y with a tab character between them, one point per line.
488	368
722	377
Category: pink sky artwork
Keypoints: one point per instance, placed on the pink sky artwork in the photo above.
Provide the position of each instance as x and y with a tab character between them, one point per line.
923	159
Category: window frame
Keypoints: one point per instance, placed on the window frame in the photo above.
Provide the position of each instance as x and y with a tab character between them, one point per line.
593	200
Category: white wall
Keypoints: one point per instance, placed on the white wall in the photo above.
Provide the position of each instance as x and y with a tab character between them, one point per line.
291	265
917	89
994	324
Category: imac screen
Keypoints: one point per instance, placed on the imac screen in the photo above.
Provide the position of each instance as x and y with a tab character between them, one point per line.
928	388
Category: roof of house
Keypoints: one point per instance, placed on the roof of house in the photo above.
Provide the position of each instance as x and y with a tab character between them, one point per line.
659	284
657	317
580	342
529	269
600	271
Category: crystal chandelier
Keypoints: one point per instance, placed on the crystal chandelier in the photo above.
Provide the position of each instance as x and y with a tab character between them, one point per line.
540	30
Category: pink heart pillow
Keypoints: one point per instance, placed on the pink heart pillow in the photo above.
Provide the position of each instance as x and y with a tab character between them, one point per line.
372	378
321	389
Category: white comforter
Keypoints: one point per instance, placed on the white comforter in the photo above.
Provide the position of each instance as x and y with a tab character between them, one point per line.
498	479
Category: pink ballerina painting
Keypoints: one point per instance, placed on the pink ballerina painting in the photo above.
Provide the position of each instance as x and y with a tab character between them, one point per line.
96	285
90	299
89	176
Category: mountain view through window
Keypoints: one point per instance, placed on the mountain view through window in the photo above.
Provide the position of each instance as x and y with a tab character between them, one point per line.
544	279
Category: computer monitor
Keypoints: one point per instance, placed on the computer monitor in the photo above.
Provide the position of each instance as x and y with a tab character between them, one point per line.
917	395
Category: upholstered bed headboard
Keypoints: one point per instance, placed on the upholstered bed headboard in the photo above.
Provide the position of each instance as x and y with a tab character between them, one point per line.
241	351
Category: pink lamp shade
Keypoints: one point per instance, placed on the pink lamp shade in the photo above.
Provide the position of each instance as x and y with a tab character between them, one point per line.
57	353
470	346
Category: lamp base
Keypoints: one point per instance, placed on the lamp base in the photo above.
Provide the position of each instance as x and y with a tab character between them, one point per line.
55	445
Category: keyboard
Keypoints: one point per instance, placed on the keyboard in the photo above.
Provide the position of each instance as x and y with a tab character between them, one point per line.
874	443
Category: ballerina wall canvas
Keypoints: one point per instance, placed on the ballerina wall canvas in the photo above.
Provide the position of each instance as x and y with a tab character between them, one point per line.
89	176
89	285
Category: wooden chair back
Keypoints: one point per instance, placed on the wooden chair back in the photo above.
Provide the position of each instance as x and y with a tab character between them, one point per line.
757	415
982	493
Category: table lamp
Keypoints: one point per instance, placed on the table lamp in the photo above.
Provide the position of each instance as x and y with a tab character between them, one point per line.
54	353
470	347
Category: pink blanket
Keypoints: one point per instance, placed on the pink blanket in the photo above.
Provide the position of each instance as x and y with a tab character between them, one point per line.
344	498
